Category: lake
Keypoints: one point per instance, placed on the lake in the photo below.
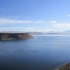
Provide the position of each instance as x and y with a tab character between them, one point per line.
38	53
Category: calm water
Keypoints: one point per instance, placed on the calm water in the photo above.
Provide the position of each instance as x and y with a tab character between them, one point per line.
38	53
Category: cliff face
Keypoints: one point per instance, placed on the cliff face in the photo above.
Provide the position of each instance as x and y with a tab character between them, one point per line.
14	36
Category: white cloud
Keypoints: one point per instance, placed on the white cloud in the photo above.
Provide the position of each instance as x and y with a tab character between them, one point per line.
8	21
16	21
68	15
34	30
40	21
52	21
61	26
54	26
21	29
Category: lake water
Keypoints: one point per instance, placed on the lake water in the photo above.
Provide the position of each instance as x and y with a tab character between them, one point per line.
38	53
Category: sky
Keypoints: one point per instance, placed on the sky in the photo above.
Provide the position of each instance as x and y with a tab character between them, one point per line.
35	15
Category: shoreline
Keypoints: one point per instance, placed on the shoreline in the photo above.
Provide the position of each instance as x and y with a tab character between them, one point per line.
65	66
14	36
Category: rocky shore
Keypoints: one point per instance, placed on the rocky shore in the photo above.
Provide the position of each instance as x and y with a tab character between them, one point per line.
14	36
64	67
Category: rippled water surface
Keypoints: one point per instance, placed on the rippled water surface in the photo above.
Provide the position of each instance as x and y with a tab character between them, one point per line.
38	53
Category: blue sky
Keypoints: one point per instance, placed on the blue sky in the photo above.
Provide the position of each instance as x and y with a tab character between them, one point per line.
34	15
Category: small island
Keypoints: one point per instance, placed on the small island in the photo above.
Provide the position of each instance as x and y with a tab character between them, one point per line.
14	36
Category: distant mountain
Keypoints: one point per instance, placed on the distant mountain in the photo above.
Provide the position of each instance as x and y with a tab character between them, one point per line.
51	33
43	33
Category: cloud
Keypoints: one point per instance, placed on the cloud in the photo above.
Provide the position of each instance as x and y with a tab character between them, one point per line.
35	29
8	21
52	21
54	26
16	21
5	24
21	29
68	15
61	26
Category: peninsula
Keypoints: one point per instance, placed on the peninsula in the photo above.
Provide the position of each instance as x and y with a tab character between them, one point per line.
14	36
